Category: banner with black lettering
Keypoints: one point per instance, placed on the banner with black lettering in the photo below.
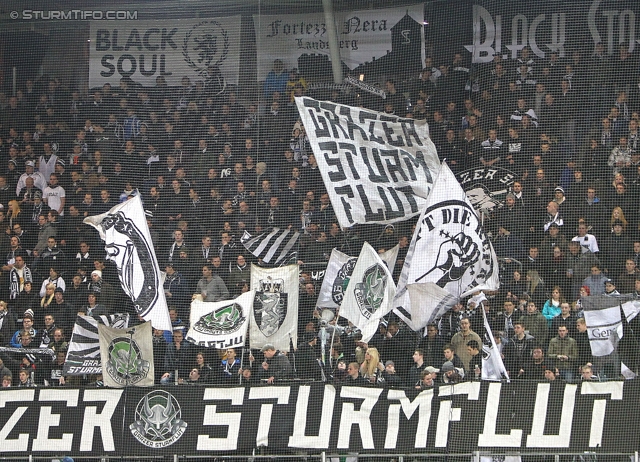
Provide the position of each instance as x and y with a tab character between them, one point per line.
376	37
377	168
221	325
456	420
369	295
274	314
127	356
206	49
83	352
128	243
450	256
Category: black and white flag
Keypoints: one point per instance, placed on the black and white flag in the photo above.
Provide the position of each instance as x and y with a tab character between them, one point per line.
274	317
338	273
450	256
128	243
275	247
369	295
492	364
606	328
127	356
83	352
377	168
221	325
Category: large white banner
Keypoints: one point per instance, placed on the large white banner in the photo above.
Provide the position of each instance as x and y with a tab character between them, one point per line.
127	356
221	325
128	243
173	48
449	257
377	168
274	317
369	295
363	36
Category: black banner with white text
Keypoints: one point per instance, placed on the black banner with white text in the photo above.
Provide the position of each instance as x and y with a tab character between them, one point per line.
527	417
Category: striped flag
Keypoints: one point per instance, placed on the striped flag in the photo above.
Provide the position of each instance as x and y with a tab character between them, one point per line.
83	353
276	246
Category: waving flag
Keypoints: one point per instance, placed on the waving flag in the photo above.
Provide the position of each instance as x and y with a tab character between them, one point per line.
609	332
83	353
221	325
370	292
453	256
128	243
275	247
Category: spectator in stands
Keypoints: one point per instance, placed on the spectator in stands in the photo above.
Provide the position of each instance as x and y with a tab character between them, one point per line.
179	357
276	366
535	323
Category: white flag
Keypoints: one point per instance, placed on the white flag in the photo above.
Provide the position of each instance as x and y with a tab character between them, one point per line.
274	315
492	364
220	325
377	168
390	256
127	356
336	279
370	292
128	243
453	256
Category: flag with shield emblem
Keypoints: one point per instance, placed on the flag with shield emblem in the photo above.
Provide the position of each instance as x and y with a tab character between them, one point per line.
274	317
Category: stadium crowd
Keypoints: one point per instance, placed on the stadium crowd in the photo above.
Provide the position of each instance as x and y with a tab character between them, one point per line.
210	167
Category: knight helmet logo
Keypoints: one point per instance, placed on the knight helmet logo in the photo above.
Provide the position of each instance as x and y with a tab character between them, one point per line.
370	291
158	420
125	364
225	320
270	305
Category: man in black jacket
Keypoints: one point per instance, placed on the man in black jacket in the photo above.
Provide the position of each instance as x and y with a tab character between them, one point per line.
276	366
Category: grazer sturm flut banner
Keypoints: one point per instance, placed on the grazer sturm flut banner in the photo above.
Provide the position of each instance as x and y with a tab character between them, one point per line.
505	28
450	256
455	419
202	49
362	36
274	315
221	325
128	243
369	295
83	352
127	356
377	168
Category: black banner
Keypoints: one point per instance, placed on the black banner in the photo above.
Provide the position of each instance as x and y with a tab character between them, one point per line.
192	420
491	27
